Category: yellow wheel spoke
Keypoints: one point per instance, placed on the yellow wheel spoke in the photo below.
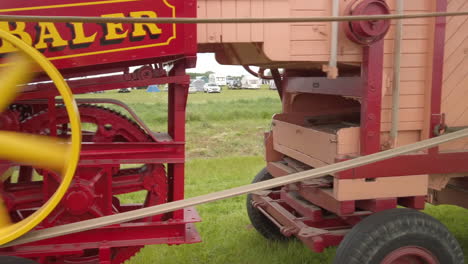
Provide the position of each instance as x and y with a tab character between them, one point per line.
5	219
19	70
40	151
7	174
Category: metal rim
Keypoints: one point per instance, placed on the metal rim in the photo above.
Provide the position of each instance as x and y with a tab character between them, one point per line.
15	230
410	255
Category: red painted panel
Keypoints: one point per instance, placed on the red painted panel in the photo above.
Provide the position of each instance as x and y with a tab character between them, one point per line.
69	45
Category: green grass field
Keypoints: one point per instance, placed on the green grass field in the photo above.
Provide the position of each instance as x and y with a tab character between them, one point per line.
224	144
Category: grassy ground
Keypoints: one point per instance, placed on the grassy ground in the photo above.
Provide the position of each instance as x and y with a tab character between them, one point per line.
224	144
226	231
230	123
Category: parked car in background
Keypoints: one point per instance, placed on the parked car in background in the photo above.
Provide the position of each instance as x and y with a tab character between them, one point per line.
211	88
199	84
125	90
218	79
192	89
250	82
234	82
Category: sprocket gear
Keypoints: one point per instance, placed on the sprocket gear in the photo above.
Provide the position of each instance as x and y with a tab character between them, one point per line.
90	184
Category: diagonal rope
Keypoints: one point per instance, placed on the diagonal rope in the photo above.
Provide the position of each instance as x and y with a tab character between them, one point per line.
166	20
264	185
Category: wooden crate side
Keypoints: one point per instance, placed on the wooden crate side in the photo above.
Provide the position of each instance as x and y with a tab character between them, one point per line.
348	141
304	158
387	187
312	146
317	144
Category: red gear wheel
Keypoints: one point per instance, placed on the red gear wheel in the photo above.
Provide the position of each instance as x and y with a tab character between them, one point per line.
90	183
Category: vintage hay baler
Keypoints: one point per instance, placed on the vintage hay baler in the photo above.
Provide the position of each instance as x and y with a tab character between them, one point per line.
119	154
348	90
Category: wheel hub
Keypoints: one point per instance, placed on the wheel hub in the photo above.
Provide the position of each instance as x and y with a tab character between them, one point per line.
367	32
410	255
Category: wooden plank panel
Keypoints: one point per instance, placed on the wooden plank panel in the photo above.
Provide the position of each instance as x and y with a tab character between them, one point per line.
229	31
243	11
348	141
201	28
456	145
278	169
257	29
388	187
410	88
406	101
404	137
454	5
410	32
455	105
276	45
309	32
454	61
213	9
314	143
403	126
456	40
408	60
414	74
412	5
412	46
455	23
310	5
453	79
309	47
306	159
406	115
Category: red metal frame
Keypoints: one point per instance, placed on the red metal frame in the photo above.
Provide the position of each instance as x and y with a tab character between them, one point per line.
291	213
114	244
175	228
103	49
433	162
304	220
173	232
371	102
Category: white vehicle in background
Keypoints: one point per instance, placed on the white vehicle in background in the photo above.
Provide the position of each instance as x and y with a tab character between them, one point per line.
212	88
125	90
251	82
199	84
192	89
229	80
218	79
234	82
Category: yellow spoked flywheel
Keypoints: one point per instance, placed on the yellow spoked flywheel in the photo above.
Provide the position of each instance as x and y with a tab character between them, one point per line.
39	151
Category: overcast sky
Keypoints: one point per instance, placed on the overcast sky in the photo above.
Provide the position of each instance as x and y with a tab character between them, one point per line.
207	62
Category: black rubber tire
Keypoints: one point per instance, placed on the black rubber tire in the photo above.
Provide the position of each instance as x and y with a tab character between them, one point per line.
260	222
15	260
371	240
